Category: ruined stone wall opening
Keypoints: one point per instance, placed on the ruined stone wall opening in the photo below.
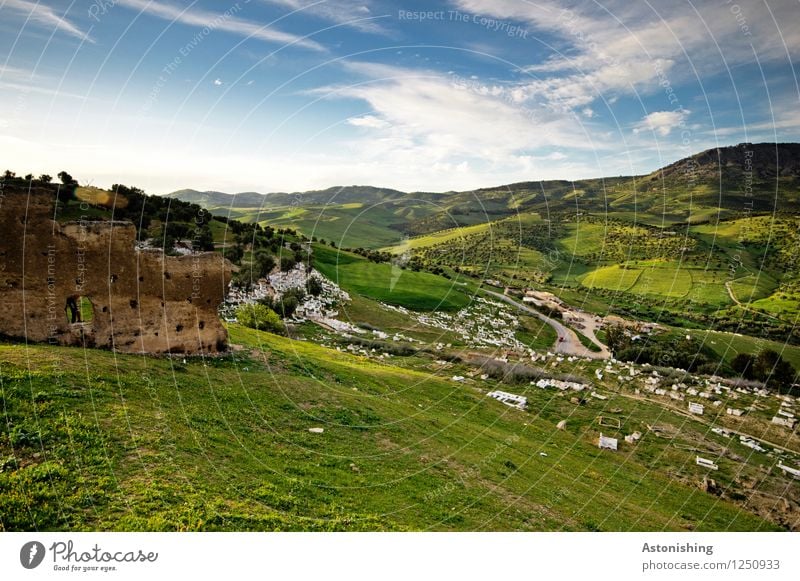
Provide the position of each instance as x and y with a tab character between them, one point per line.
79	309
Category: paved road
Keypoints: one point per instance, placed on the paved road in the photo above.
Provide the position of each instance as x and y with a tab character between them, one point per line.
567	342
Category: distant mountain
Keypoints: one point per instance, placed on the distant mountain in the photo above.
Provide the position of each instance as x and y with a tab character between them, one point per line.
761	177
213	199
255	200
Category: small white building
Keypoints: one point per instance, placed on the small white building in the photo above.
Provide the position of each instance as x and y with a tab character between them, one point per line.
696	408
510	399
735	412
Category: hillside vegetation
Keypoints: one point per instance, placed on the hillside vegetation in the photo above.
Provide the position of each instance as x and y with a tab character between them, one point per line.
94	440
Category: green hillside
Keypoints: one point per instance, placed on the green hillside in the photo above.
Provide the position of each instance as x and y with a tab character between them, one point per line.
711	185
392	284
93	440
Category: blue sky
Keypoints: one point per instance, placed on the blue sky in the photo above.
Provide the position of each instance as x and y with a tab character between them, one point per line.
289	95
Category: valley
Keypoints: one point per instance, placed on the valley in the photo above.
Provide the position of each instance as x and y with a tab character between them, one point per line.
647	326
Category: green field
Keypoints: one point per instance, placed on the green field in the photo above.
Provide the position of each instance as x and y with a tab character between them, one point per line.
753	287
584	238
439	237
142	443
728	345
663	279
390	284
349	225
612	278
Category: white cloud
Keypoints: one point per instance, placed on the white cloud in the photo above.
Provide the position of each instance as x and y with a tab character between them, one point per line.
41	14
369	121
353	14
219	21
661	122
617	46
450	118
217	82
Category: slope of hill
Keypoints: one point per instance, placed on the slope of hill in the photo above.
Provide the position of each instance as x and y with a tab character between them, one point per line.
226	444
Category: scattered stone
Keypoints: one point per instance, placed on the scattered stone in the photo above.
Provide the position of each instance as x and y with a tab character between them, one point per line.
316	430
710	486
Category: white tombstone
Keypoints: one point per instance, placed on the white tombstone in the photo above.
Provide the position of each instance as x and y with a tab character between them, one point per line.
606	443
705	463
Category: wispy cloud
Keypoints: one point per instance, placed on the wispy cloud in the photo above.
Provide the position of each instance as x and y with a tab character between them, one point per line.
661	122
22	89
620	47
225	21
434	124
43	15
356	15
368	121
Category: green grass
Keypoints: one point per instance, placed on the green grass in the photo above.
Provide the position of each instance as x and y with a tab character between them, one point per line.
92	440
664	279
390	284
728	345
583	238
753	287
536	334
439	237
350	225
611	277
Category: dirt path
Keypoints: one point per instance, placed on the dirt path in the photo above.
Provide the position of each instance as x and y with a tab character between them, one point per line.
567	342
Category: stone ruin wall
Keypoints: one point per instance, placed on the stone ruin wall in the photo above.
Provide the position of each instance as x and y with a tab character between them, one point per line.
142	301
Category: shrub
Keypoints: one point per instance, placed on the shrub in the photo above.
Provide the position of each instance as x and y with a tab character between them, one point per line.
260	317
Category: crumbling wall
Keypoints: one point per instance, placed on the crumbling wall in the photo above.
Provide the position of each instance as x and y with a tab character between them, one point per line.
142	301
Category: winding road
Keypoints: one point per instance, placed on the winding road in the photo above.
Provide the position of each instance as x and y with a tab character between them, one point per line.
567	342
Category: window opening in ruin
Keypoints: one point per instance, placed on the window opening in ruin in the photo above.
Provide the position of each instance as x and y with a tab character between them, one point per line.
79	309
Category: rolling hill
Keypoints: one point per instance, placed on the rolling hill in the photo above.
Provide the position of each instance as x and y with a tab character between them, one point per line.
712	184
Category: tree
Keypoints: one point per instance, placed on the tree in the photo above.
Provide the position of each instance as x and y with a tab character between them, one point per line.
743	365
314	286
233	253
45	179
289	301
203	239
9	175
264	262
616	338
287	305
65	178
773	369
67	187
287	263
260	317
245	278
29	177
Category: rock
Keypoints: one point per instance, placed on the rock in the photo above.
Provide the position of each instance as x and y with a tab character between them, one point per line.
710	485
316	430
562	425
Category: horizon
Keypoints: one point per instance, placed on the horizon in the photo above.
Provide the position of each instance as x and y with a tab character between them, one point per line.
485	187
290	95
